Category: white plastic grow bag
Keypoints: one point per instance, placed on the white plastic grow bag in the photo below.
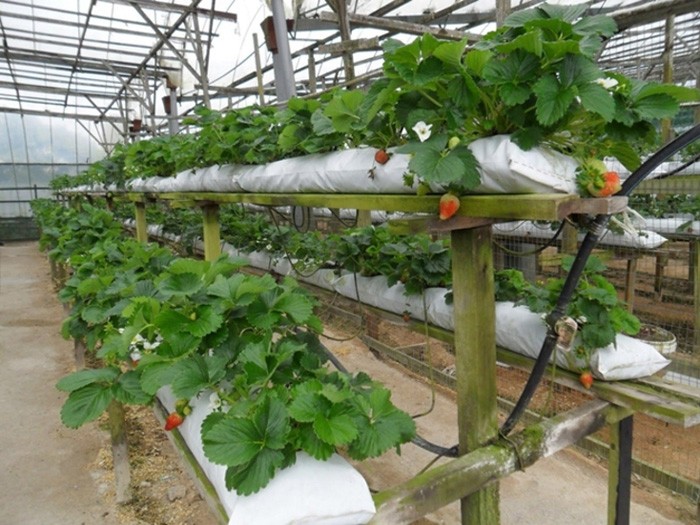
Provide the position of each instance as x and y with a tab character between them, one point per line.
346	171
523	331
643	238
517	328
505	168
309	492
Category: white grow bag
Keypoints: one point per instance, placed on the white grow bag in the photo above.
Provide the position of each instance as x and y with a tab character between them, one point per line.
505	168
642	239
309	492
517	328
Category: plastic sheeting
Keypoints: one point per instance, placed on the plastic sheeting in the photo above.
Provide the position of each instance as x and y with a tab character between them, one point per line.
523	331
310	491
643	238
504	167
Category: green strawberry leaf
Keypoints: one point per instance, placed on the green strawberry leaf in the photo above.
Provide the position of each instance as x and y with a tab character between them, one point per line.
553	100
86	404
180	284
336	429
128	390
82	378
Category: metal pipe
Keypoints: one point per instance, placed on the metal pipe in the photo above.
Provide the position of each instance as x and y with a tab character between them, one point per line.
284	72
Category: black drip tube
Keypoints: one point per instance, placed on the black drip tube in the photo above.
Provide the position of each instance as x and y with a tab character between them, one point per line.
438	450
589	242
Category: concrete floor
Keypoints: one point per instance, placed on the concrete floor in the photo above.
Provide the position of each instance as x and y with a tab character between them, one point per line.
46	468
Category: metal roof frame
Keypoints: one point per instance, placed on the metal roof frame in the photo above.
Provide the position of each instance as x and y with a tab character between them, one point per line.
85	64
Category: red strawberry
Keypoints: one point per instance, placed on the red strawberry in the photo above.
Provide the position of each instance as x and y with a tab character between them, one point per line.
449	204
381	156
173	420
606	185
586	379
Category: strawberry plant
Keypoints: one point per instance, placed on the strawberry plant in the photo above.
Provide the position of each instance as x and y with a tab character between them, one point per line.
418	263
595	304
534	78
204	328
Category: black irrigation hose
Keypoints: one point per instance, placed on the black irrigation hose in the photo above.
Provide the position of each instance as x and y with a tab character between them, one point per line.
589	242
423	443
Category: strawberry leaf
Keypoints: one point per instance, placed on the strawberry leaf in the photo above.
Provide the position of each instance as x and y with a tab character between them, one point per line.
86	404
82	378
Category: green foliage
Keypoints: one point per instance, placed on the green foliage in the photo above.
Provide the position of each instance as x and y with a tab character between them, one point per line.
595	303
205	328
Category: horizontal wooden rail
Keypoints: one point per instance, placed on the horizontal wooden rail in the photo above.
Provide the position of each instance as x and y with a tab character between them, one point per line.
462	476
544	207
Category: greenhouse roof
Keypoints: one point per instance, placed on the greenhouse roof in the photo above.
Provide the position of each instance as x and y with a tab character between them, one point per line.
108	62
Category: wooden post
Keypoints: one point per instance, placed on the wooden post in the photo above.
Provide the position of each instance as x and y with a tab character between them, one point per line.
364	218
120	451
141	226
258	69
312	72
569	239
502	11
620	471
212	231
695	264
630	282
475	350
79	353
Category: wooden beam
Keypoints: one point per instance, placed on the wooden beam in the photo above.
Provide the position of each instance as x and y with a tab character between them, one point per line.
351	46
398	26
460	477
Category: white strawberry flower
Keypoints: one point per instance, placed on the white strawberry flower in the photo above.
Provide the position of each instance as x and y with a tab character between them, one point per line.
147	345
214	401
422	130
135	355
607	83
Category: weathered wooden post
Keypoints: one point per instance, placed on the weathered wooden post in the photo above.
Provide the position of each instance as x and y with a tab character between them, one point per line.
120	451
211	231
475	351
140	218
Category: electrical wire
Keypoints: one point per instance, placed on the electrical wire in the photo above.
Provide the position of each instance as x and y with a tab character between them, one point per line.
419	441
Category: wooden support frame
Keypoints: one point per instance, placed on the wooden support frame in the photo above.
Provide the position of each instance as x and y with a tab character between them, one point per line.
485	457
460	477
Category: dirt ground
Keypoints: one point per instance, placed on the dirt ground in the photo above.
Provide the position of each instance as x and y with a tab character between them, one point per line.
54	475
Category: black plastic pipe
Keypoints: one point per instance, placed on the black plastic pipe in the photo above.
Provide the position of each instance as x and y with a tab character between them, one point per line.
589	242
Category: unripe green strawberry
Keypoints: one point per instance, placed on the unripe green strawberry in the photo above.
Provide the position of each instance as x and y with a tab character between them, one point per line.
453	142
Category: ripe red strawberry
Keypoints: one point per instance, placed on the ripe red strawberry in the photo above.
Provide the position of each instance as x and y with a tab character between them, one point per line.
173	420
586	379
449	204
381	156
606	185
